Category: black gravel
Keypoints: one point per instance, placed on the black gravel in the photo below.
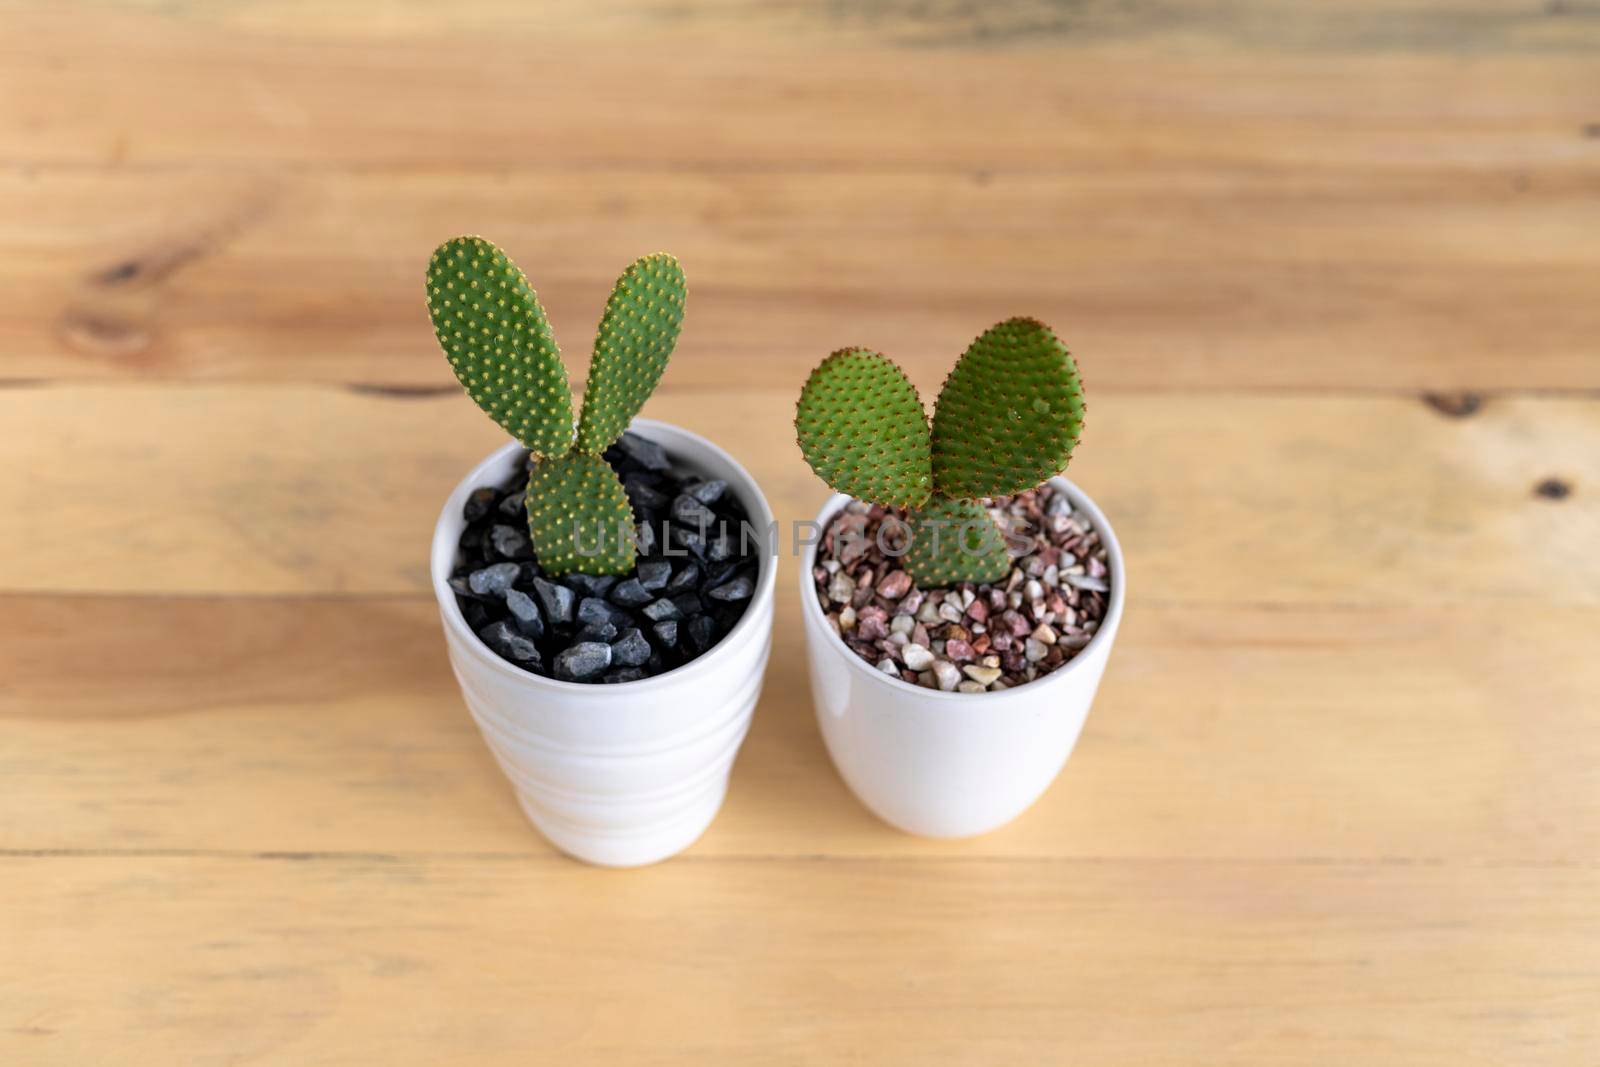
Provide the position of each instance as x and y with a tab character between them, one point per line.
493	581
738	589
693	581
632	650
512	645
510	543
599	631
653	575
557	600
684	579
631	593
583	661
525	613
666	633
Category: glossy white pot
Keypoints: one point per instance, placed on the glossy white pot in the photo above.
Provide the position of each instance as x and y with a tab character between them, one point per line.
627	774
952	764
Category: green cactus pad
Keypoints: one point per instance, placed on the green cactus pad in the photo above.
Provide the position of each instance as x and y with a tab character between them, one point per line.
1009	414
499	344
863	430
637	334
579	516
955	541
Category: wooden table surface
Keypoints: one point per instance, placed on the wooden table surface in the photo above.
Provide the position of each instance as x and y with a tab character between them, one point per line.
1332	271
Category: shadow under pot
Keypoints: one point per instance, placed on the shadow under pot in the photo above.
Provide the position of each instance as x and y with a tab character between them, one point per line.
631	771
942	762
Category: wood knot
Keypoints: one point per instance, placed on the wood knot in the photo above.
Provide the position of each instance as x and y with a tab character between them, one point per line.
122	273
1553	489
105	331
1454	405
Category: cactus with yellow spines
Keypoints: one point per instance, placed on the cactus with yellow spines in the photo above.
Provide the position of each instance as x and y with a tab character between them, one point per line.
1006	420
495	334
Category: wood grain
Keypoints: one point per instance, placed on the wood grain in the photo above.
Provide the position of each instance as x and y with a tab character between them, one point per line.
1394	196
216	960
1433	279
899	84
1333	500
1301	735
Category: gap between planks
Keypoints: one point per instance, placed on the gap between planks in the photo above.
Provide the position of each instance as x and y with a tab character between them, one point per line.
899	859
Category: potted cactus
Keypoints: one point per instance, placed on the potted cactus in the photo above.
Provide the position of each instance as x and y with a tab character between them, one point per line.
607	608
963	597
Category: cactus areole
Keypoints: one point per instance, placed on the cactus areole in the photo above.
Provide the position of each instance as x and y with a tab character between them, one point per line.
1006	420
495	334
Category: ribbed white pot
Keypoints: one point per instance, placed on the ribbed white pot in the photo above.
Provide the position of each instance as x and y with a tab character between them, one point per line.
627	774
952	764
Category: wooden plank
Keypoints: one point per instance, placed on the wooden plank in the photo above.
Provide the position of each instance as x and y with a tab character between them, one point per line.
225	960
1227	732
1285	278
1329	501
1036	86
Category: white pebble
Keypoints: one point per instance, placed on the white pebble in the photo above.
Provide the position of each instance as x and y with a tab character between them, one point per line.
948	674
1052	576
968	687
886	665
901	624
949	612
1033	590
1034	650
916	657
1044	635
1083	581
982	675
831	566
967	597
841	588
928	613
847	618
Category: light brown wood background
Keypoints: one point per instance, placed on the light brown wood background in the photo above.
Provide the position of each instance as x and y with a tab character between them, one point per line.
1339	799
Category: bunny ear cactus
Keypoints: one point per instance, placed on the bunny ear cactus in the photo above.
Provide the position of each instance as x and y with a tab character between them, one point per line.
579	516
1009	413
863	430
499	343
637	334
1006	420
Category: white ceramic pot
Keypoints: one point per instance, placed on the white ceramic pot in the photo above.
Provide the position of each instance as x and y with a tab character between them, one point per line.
952	764
627	774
